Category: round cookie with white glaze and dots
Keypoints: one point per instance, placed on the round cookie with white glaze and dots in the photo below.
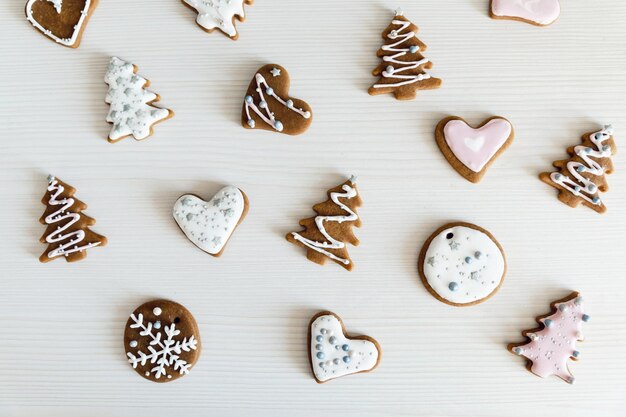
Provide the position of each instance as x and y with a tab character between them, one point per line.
162	340
333	353
462	264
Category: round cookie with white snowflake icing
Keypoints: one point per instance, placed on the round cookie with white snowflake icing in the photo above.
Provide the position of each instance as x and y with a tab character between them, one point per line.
162	341
462	264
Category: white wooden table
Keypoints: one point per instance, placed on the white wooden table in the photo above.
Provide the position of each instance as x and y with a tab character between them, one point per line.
61	351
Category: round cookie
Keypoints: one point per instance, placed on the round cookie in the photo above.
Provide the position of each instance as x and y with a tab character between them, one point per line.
462	264
162	340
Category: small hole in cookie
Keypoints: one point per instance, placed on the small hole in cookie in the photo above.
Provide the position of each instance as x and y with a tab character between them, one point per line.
449	235
177	320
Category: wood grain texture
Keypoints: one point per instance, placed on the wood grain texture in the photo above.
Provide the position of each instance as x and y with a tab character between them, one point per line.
61	350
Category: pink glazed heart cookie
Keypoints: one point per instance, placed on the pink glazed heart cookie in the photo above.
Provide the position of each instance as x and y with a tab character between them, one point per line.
535	12
470	150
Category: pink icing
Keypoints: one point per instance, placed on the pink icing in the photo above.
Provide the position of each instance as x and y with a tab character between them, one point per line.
475	147
542	12
555	344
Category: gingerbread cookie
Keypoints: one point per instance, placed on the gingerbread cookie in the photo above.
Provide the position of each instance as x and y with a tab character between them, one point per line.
535	12
325	235
403	68
219	14
132	111
549	347
210	224
268	106
581	178
470	150
162	341
333	353
63	21
67	232
462	264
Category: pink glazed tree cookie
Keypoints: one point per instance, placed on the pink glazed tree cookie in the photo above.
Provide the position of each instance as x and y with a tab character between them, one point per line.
549	347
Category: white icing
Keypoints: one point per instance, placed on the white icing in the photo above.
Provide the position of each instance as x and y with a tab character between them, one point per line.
445	263
332	243
209	224
57	5
263	109
163	351
393	72
362	354
130	112
579	185
67	219
218	14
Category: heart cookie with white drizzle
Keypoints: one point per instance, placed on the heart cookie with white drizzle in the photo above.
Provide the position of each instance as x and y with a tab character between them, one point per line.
471	151
535	12
267	104
63	21
334	354
210	224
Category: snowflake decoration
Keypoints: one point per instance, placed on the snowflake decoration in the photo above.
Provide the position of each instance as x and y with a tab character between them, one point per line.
164	353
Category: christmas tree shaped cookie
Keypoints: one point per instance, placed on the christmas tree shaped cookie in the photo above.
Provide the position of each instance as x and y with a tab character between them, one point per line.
403	68
581	178
325	235
219	14
67	233
549	347
132	111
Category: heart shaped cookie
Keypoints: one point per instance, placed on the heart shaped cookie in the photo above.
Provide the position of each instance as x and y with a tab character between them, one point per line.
210	224
535	12
470	150
268	106
63	21
334	354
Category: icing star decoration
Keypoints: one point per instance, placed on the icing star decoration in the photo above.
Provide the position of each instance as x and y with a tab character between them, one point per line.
275	72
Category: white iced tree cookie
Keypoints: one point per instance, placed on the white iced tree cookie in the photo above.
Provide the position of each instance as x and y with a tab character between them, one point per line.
132	111
219	14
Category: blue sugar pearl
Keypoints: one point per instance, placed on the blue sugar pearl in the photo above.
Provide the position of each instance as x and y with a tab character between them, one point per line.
468	260
345	347
319	347
576	354
249	99
595	200
320	355
322	364
332	340
580	169
413	49
592	188
323	331
586	318
289	103
269	91
319	338
278	125
453	286
548	322
346	359
336	361
478	255
518	350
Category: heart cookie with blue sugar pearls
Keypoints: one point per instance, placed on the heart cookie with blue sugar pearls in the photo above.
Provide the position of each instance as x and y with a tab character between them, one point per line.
334	354
210	224
267	104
